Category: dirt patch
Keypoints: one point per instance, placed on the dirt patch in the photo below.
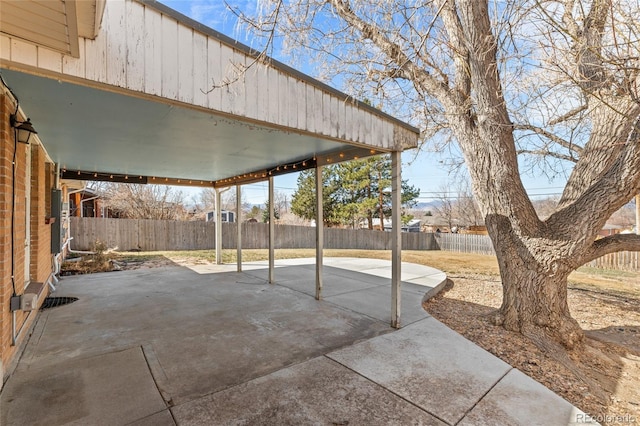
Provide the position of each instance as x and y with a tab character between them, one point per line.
604	379
89	264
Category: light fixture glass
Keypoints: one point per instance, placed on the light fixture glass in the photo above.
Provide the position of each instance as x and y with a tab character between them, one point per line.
24	129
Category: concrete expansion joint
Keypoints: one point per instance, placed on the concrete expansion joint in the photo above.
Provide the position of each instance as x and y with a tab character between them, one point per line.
408	401
157	372
484	395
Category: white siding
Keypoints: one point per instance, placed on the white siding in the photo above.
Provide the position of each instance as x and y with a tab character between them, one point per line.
152	52
169	46
309	97
50	60
214	74
116	54
185	64
5	47
96	57
252	83
200	84
144	50
75	66
24	52
135	48
274	113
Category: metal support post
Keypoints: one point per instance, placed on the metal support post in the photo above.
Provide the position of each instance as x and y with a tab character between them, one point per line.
218	226
239	227
396	238
319	232
272	229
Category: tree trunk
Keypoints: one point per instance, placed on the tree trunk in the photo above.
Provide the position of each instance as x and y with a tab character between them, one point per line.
534	274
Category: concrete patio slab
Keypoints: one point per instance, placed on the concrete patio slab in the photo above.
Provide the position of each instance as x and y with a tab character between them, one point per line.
383	271
237	326
336	280
316	392
211	268
517	399
376	303
107	389
441	372
171	345
353	264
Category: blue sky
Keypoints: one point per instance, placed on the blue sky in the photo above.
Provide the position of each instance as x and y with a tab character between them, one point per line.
423	169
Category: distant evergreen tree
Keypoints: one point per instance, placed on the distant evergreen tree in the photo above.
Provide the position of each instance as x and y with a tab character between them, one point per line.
352	191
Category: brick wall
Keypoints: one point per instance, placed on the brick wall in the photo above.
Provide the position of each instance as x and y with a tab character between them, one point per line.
5	223
40	205
40	260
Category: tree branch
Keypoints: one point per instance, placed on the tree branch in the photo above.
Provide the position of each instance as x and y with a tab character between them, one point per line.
612	133
547	153
614	188
611	244
588	46
568	115
395	52
459	50
552	137
568	20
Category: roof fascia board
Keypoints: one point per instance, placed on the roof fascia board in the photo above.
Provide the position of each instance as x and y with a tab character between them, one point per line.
100	5
72	27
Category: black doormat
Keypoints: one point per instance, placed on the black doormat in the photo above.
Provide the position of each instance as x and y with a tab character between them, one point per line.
54	302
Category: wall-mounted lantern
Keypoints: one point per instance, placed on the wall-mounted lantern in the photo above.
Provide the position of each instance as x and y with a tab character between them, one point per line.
24	129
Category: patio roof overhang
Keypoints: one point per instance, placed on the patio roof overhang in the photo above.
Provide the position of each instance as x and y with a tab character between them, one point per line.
155	96
111	115
94	134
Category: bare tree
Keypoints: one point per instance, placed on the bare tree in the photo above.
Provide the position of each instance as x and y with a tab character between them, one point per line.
467	209
555	82
280	206
545	207
208	199
135	201
446	205
625	217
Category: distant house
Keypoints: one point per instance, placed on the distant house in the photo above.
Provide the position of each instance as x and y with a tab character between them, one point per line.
631	230
227	216
412	226
82	201
609	229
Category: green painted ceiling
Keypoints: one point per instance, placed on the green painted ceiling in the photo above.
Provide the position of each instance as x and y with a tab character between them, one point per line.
95	130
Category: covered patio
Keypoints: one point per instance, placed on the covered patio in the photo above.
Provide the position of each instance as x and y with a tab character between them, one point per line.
147	95
209	345
143	94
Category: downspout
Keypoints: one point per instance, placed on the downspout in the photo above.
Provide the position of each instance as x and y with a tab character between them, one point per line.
82	201
75	191
57	258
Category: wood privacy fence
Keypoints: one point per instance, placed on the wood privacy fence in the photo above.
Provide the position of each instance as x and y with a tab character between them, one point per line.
465	243
152	235
481	244
623	260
